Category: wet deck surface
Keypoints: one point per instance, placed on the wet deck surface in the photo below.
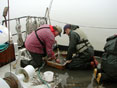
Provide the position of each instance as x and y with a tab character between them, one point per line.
77	79
71	78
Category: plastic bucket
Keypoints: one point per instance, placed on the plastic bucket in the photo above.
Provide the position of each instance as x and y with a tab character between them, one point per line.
48	76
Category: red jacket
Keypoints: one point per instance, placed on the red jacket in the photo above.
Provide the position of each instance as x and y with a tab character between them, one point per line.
46	35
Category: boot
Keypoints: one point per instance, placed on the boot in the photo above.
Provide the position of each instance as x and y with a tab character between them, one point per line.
95	73
99	78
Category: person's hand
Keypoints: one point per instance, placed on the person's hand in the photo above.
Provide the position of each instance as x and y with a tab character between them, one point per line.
53	57
57	60
56	54
67	62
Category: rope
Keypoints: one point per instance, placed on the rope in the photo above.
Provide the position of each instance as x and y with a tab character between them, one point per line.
11	82
84	25
24	17
41	77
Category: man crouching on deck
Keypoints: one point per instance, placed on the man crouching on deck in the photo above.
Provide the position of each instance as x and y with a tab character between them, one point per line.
78	44
39	43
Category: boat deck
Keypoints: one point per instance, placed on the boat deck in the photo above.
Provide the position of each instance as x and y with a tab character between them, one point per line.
69	78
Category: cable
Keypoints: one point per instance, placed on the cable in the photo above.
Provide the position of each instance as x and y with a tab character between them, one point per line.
41	77
84	26
23	17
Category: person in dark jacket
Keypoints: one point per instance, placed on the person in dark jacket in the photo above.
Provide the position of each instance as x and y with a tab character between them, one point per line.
40	42
80	51
108	72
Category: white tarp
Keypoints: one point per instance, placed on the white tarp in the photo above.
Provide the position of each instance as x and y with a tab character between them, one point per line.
3	34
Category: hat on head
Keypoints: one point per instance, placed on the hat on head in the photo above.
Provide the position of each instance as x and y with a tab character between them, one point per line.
66	26
58	28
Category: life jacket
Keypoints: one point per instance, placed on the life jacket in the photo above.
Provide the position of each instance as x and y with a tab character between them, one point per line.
50	27
83	44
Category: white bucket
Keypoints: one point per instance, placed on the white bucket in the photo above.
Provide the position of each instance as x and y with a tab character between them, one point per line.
48	76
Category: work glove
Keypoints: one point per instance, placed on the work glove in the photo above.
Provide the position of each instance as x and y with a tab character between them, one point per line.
67	61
